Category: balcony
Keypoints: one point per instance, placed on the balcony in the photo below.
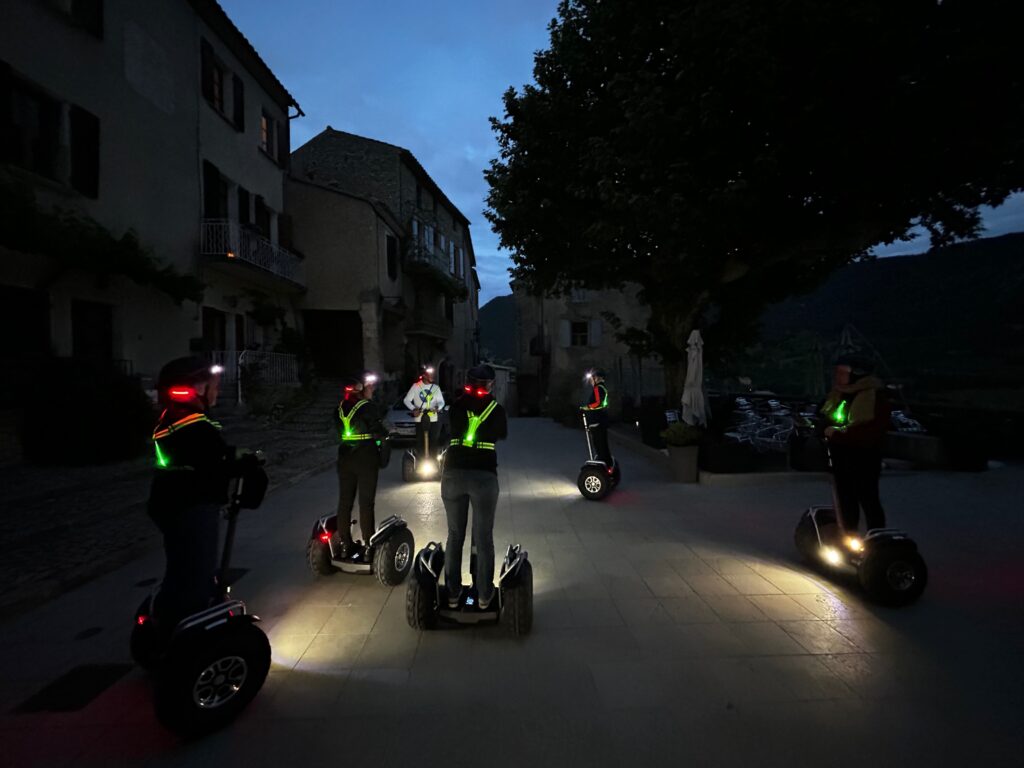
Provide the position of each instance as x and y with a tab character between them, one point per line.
425	323
433	264
233	241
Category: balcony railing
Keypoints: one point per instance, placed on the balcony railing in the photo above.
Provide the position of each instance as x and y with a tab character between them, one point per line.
425	323
268	368
232	240
429	260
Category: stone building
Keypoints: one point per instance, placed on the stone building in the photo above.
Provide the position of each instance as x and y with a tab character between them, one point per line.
157	119
561	337
389	259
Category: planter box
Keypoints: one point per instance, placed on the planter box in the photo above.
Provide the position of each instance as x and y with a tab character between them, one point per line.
683	462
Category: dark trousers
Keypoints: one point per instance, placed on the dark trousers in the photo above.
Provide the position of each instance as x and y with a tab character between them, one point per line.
426	430
357	471
856	476
599	436
191	538
460	489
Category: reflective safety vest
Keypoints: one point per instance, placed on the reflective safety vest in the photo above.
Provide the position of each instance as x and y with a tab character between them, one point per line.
347	435
163	461
469	440
600	401
840	415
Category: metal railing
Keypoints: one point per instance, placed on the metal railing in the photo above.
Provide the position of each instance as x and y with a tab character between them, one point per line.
269	368
233	240
429	323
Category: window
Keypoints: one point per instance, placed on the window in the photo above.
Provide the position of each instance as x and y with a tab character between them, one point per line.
213	74
85	152
578	295
579	333
391	247
428	235
215	192
267	142
244	213
32	129
262	217
415	231
238	103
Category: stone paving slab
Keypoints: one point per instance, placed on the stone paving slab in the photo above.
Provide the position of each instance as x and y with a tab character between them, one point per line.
673	626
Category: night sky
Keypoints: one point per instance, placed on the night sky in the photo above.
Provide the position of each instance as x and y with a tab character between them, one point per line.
427	76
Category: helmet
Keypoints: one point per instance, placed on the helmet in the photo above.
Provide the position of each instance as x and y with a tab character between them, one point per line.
596	373
358	383
426	370
859	365
178	379
478	379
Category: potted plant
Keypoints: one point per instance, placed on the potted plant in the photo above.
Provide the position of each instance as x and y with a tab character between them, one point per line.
683	440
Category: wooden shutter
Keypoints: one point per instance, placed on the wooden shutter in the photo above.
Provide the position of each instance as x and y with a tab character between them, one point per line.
206	69
85	152
564	333
244	216
238	102
284	230
282	144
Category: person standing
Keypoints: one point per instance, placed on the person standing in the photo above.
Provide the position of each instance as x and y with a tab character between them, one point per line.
470	479
360	431
596	411
425	401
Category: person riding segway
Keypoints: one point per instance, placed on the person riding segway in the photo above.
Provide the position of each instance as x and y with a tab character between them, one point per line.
852	424
425	401
210	658
362	451
600	473
470	479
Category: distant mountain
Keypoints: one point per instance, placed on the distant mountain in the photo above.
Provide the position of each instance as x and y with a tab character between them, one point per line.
951	311
498	329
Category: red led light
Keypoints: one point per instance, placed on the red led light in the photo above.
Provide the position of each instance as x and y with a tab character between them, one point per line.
182	393
481	392
468	388
142	620
325	537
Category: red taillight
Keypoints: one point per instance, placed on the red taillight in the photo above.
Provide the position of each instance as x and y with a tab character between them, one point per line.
181	393
325	537
142	620
231	613
481	392
468	388
610	471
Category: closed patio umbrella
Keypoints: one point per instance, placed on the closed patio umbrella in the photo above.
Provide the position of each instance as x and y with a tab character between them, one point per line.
694	408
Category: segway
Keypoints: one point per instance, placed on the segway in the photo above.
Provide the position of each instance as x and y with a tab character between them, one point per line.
885	562
427	468
596	478
426	599
211	664
388	554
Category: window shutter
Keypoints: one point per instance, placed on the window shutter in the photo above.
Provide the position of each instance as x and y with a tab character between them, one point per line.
282	145
284	230
238	103
564	333
206	69
85	152
595	332
243	206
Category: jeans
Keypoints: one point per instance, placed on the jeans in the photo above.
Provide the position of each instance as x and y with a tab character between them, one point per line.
191	538
461	488
357	471
856	476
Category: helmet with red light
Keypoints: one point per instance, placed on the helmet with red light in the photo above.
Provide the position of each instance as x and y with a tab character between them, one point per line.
357	384
183	381
479	380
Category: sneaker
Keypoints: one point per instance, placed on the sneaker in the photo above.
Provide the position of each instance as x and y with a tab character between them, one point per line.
455	600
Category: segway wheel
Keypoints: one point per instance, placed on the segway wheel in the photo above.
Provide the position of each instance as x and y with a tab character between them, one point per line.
806	539
210	679
408	469
593	484
318	555
393	558
517	602
420	606
893	575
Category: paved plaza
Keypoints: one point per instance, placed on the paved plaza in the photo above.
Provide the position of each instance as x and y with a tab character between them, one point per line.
673	627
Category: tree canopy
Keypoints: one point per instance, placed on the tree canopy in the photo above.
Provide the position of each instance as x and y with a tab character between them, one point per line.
724	154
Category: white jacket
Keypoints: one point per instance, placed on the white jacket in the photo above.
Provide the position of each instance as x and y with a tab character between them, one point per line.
426	398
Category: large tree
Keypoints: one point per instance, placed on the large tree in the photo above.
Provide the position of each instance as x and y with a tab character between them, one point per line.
723	154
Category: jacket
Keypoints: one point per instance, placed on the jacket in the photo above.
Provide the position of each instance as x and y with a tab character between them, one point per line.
475	449
860	413
193	463
426	398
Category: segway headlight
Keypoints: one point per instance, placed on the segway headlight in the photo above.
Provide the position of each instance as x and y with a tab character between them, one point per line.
831	556
854	544
216	370
426	468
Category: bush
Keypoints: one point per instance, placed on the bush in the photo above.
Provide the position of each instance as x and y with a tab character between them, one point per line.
78	413
681	434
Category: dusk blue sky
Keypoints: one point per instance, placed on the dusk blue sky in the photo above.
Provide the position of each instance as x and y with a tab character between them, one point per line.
427	76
